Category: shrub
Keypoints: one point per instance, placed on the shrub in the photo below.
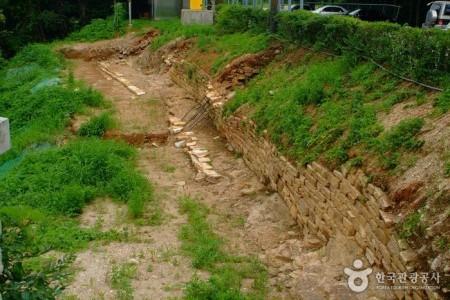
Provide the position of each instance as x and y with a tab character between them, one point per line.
101	29
417	53
236	18
18	282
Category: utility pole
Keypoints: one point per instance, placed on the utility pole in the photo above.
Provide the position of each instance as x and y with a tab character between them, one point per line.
273	12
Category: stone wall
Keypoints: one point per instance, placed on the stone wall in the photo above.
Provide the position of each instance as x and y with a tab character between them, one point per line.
323	202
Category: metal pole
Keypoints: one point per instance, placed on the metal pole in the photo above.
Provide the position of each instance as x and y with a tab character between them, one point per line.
302	4
273	12
129	13
289	5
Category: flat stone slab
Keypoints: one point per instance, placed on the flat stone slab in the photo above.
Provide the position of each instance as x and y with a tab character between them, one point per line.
5	136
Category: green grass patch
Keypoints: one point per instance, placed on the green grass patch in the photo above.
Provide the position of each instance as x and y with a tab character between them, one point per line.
172	29
97	126
63	180
229	46
329	107
412	226
40	116
206	249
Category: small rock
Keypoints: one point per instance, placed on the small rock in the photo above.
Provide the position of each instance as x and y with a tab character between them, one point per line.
175	129
204	159
155	145
271	93
180	144
181	183
134	261
436	264
248	191
200	176
231	95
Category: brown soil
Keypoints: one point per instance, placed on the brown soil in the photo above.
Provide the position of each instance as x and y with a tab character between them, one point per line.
139	139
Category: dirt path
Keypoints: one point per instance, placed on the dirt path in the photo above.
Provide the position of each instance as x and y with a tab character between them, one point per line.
251	219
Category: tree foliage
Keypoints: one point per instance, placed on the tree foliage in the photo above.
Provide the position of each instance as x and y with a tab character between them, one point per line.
28	21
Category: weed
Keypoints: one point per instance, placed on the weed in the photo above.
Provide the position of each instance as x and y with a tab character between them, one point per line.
205	248
411	226
169	169
120	278
38	117
442	243
101	29
149	268
96	126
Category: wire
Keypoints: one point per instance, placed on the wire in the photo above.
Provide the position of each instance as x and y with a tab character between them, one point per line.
405	78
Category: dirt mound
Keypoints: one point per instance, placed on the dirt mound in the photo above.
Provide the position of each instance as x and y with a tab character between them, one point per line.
243	68
102	50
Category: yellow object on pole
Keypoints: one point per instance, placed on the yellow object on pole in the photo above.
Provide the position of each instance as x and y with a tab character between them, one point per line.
196	4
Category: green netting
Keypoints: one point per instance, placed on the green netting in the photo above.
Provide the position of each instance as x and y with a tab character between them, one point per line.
19	71
4	168
45	83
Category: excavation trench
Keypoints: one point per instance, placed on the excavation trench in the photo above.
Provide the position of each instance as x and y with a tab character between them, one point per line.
304	242
253	220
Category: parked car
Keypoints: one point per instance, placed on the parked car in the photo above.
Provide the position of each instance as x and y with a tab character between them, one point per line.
438	15
305	7
331	10
369	14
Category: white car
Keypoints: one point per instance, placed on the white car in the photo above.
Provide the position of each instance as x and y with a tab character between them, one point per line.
331	10
438	15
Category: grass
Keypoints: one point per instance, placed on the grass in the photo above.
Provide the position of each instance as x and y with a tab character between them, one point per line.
206	249
43	187
228	46
42	116
63	180
329	108
97	126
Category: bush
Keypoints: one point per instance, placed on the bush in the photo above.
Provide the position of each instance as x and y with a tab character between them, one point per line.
18	282
417	53
101	29
236	18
